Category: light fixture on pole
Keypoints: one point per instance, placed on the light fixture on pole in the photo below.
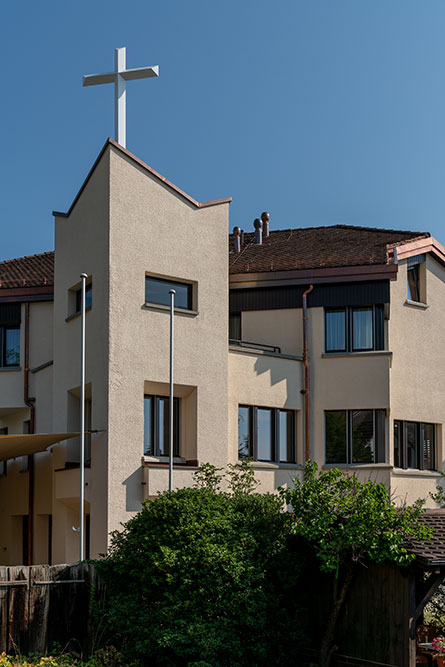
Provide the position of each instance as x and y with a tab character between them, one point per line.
83	277
170	450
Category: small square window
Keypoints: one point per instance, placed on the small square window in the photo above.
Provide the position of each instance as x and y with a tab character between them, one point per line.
414	445
355	436
266	434
157	290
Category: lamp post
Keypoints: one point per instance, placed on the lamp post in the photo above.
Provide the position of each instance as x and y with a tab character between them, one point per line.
170	452
83	277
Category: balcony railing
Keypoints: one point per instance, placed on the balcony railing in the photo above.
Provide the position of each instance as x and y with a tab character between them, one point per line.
256	346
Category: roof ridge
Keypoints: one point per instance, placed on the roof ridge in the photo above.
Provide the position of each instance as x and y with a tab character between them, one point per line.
343	226
16	259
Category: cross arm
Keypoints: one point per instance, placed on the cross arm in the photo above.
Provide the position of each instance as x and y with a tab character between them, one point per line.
140	73
94	79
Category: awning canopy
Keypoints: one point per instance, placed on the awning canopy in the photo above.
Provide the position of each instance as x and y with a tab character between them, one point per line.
12	446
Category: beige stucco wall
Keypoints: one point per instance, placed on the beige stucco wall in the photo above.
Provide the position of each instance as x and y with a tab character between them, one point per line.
281	327
82	245
154	230
417	336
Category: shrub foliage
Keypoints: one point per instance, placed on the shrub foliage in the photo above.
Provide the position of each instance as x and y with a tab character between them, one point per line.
205	577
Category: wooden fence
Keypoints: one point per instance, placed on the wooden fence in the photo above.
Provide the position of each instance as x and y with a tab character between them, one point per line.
42	604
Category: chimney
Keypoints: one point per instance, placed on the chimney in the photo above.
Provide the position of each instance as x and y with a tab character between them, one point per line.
237	239
258	231
265	217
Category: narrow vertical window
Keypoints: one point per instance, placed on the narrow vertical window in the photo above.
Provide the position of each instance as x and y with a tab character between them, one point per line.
335	330
264	434
336	449
362	329
398	444
412	444
362	435
428	446
244	433
413	283
11	348
157	426
235	327
286	436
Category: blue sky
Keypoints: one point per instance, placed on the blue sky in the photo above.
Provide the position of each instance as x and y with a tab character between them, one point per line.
319	111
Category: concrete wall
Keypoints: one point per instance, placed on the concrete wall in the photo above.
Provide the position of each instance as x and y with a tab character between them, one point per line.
82	246
156	231
417	336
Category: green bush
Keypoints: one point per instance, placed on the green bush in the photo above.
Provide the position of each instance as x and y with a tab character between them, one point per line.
203	577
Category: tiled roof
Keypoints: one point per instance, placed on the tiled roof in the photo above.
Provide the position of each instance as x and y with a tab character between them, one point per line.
432	552
32	271
317	247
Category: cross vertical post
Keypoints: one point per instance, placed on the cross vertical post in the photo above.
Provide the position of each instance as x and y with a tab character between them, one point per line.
120	93
119	77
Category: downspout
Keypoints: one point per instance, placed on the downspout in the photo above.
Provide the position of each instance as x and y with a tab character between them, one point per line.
29	402
306	378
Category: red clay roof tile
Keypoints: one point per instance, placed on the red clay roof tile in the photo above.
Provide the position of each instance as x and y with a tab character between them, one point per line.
317	247
31	271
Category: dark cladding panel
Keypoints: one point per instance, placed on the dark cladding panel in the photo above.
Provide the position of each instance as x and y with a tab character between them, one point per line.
366	293
10	314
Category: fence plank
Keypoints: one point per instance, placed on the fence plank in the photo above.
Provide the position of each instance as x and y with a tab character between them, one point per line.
18	612
4	606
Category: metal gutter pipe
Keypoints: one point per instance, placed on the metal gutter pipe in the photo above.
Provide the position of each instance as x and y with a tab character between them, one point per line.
306	378
32	411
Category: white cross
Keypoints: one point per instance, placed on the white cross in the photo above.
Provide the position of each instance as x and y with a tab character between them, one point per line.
119	77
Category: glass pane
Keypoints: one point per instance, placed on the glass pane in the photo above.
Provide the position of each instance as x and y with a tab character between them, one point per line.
363	446
413	283
336	437
157	291
148	425
244	438
398	463
428	447
235	327
335	330
12	347
163	426
88	298
286	424
264	434
412	444
362	338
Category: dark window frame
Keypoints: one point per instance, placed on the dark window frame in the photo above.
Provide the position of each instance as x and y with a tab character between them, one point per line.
379	419
275	443
414	270
402	457
378	330
3	355
172	284
155	425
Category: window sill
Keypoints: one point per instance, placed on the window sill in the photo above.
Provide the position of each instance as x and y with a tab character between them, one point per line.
74	315
4	369
416	304
268	465
367	353
357	466
166	309
413	472
163	462
264	353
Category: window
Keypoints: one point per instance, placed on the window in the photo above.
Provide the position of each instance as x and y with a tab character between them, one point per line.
157	426
10	346
3	464
416	275
157	290
414	445
88	298
235	326
413	283
355	436
266	434
354	329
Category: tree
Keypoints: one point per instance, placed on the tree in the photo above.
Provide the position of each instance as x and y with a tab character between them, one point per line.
349	523
205	577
